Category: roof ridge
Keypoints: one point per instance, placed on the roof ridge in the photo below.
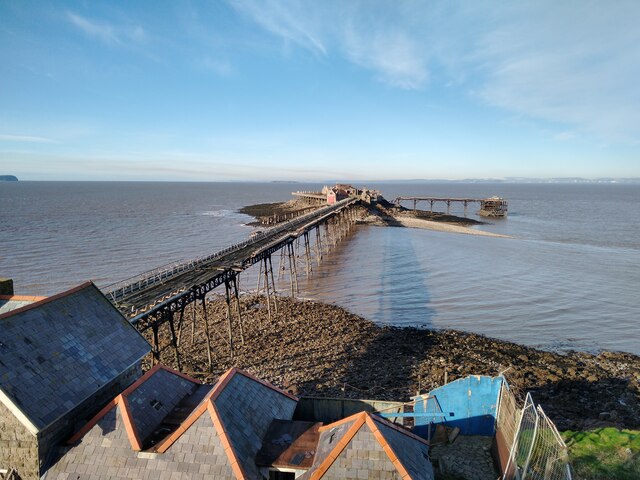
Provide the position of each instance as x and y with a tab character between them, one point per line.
236	467
337	423
130	427
164	444
332	456
398	428
46	300
229	374
379	436
120	399
23	298
149	373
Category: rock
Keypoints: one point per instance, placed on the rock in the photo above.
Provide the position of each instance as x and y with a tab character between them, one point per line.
331	352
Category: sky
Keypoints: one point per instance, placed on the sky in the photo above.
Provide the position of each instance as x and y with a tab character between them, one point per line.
314	90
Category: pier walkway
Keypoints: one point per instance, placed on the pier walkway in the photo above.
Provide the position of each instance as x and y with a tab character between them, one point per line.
141	296
489	207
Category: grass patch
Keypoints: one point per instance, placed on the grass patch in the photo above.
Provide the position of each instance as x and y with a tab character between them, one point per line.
604	453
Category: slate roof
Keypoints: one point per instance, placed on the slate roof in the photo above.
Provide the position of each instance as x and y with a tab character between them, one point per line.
225	427
149	404
222	433
57	352
13	302
365	442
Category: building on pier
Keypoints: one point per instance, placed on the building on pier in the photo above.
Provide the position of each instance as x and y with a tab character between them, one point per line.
493	207
340	191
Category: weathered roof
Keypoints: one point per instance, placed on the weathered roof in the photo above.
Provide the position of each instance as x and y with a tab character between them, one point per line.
57	352
382	446
235	415
289	444
152	404
245	407
224	430
103	451
13	302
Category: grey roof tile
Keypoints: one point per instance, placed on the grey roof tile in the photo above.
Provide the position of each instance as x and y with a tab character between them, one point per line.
56	353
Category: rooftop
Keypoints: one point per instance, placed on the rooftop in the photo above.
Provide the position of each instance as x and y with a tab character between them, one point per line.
238	429
13	302
57	352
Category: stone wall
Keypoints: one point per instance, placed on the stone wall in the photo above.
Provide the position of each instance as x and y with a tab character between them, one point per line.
18	446
362	458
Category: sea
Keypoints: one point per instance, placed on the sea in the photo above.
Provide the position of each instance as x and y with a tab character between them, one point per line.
568	278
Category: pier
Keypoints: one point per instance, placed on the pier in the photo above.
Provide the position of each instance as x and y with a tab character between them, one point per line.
489	207
153	299
158	298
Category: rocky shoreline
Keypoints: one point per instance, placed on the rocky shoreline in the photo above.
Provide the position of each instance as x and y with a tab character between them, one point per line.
270	213
317	349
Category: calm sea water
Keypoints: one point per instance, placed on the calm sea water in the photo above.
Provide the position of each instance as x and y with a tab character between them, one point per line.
569	279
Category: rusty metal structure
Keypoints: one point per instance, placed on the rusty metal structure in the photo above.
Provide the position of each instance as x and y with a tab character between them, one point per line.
489	207
157	297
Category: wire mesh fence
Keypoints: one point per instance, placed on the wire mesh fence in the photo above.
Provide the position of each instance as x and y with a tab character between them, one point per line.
508	415
537	450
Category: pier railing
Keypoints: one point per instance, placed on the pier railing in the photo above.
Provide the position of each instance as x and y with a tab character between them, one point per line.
118	290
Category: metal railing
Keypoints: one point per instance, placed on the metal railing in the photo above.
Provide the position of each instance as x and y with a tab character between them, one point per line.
143	280
538	451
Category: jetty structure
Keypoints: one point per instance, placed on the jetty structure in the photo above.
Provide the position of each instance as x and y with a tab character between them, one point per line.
155	298
72	405
489	207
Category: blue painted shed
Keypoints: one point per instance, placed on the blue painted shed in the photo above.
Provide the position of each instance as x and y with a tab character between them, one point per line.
468	403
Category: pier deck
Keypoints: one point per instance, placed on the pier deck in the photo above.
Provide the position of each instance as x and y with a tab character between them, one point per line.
141	296
489	207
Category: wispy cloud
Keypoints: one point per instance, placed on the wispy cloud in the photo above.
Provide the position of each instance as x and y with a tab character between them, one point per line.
564	136
351	29
108	33
293	21
574	63
24	139
567	62
221	68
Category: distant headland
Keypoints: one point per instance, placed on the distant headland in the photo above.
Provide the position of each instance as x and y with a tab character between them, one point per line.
8	178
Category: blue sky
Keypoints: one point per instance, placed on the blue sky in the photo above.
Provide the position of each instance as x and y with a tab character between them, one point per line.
314	90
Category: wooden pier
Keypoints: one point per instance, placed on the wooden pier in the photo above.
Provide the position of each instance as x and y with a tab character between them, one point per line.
489	207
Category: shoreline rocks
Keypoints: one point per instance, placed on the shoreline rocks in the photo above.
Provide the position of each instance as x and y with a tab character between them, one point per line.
317	349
